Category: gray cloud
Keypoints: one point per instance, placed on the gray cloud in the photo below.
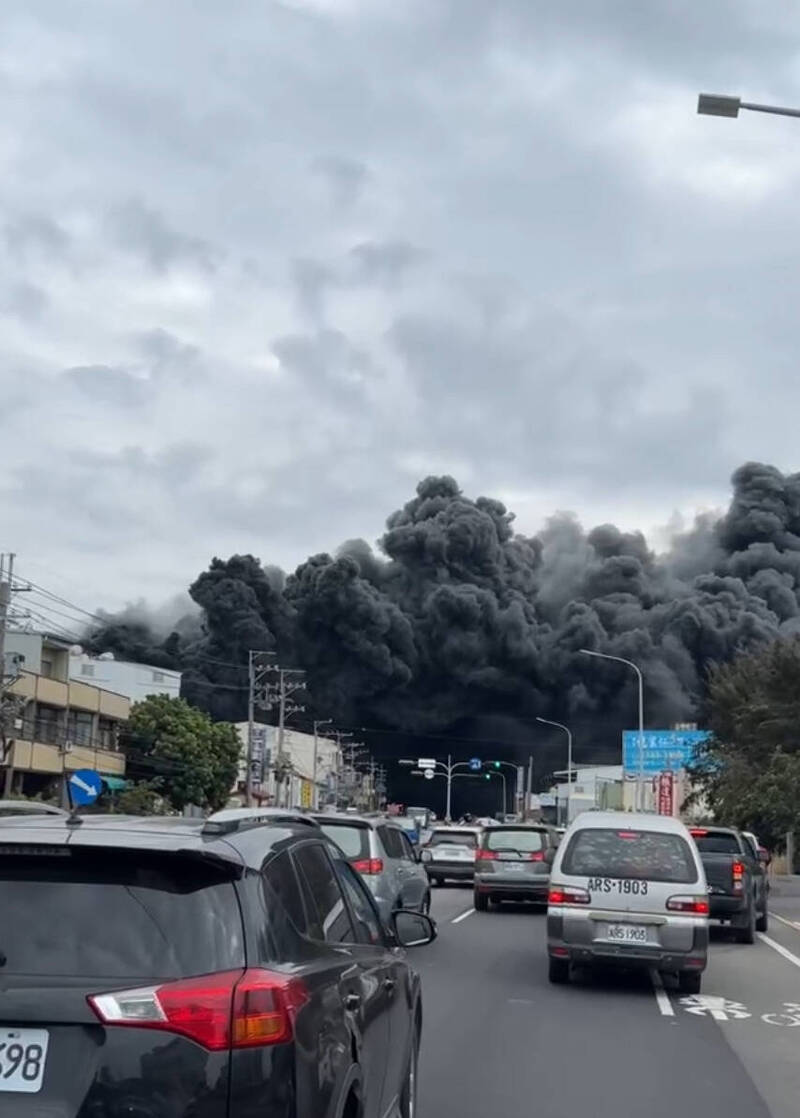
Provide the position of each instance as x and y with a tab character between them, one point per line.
302	254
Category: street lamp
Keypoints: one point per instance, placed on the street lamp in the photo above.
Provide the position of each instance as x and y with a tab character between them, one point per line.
568	732
715	104
630	663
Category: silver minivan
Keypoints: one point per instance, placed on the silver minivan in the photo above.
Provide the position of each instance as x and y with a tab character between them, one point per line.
380	851
628	890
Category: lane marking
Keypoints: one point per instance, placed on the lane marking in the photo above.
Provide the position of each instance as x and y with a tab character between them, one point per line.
773	943
793	924
469	912
662	997
721	1009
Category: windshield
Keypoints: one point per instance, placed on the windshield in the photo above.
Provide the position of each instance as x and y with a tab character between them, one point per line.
524	841
646	855
353	841
453	838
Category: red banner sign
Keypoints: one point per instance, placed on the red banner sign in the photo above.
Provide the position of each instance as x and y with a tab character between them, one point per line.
666	793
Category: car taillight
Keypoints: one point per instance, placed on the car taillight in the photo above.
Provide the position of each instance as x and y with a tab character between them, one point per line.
693	906
485	856
738	876
368	866
234	1009
568	895
536	856
697	832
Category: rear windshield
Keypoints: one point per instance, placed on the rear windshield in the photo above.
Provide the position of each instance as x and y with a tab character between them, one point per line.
524	841
453	838
643	855
353	841
716	843
90	914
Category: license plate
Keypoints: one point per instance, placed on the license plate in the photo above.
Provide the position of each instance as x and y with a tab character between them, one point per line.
22	1057
627	933
513	867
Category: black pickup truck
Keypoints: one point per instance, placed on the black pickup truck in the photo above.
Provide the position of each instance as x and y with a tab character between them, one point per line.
737	882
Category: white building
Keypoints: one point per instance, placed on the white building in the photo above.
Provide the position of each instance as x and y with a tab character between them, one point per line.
137	681
299	751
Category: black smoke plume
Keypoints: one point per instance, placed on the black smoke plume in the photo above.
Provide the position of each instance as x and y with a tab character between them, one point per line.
458	630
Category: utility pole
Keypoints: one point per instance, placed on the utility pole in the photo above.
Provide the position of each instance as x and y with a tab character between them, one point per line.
257	696
8	708
315	791
527	814
286	708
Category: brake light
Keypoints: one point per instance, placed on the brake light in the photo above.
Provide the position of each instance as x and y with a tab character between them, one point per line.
485	856
697	832
368	867
536	856
568	895
234	1009
738	876
628	834
692	906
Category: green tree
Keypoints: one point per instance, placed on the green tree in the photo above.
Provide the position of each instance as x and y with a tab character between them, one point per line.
749	771
184	756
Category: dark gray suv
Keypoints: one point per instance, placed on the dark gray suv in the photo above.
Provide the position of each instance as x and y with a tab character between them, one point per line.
512	863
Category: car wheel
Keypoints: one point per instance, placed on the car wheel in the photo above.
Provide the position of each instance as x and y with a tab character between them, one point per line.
762	923
408	1096
747	934
689	982
481	902
558	971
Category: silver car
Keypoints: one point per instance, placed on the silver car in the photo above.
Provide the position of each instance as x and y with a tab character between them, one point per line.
449	854
380	851
628	890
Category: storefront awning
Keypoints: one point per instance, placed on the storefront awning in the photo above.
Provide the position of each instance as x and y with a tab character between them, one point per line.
115	783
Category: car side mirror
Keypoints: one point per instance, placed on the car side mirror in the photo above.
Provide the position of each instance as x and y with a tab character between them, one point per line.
764	856
413	929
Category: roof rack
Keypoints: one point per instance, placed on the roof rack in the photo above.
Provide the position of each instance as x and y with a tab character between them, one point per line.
233	819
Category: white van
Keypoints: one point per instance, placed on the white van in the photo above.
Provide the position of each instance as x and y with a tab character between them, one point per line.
628	890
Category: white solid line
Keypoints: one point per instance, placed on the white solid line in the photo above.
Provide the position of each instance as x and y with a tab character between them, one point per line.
787	954
463	916
789	923
662	997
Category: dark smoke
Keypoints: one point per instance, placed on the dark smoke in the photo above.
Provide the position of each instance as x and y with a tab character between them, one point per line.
458	626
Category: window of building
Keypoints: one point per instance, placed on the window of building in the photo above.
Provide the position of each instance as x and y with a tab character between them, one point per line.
46	668
79	727
47	727
158	677
107	733
87	670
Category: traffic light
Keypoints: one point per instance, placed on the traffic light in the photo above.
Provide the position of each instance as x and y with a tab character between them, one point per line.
487	776
496	764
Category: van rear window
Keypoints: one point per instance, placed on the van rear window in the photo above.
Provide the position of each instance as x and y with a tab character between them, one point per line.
640	855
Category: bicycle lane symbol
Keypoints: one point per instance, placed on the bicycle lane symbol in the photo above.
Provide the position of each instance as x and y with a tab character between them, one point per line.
721	1009
790	1017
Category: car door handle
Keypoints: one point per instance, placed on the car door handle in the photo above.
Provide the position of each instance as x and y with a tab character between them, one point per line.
352	1001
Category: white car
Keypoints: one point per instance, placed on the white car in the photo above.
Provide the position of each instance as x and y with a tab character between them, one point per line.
449	854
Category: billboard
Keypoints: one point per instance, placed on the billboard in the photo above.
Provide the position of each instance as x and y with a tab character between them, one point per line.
664	750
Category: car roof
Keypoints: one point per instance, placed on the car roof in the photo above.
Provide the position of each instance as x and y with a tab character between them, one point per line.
457	827
30	807
627	820
341	819
239	847
517	827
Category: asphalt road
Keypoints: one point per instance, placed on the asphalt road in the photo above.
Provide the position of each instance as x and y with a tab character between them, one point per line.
498	1039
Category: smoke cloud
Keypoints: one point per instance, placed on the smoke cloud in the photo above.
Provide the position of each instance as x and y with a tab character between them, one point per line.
456	625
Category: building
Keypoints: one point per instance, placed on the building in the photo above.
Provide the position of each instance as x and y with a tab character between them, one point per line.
137	681
59	724
298	750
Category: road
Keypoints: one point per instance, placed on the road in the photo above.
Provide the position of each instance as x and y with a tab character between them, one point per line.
498	1039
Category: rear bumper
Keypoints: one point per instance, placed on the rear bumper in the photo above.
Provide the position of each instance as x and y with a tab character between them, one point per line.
525	889
602	952
726	907
461	871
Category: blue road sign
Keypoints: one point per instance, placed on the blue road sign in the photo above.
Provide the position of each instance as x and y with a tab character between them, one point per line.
664	750
475	764
85	786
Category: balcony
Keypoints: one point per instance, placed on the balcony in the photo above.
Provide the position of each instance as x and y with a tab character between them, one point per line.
41	745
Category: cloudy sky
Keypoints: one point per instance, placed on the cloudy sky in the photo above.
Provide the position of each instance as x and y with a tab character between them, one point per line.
267	264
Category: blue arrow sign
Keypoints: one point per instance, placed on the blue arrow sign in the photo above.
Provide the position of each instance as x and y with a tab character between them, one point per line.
85	786
475	764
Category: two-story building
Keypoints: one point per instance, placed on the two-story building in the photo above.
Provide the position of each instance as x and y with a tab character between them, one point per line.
61	724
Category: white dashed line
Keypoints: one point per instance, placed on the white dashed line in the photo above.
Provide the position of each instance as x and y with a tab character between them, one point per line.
787	954
793	924
662	997
463	916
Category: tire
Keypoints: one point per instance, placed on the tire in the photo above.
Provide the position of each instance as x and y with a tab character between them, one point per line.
762	923
408	1094
437	881
690	981
481	902
747	934
558	971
